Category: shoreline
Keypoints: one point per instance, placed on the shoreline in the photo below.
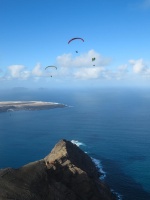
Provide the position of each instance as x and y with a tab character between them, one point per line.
7	106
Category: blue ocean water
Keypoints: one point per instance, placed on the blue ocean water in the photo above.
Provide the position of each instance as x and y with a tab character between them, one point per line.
111	124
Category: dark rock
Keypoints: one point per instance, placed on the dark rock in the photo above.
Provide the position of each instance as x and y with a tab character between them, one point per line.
67	173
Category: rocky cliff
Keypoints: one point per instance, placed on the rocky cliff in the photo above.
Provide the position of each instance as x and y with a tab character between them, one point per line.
67	173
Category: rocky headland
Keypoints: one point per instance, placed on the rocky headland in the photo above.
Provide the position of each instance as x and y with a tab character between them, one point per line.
67	173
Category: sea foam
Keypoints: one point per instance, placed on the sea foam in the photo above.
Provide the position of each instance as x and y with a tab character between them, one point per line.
96	161
119	196
99	166
78	143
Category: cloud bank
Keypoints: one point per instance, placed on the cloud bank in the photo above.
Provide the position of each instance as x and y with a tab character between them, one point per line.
80	67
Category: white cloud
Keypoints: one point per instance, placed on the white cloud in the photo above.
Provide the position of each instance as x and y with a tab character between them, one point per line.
138	66
64	60
18	72
82	66
83	60
123	68
25	74
37	71
15	70
122	72
79	67
88	73
71	68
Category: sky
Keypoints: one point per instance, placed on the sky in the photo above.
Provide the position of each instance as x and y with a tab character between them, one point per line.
34	34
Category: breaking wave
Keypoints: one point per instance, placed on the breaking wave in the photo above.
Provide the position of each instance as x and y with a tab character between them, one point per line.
99	166
78	143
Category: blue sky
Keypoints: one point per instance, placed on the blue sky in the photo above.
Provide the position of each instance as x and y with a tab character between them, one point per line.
35	34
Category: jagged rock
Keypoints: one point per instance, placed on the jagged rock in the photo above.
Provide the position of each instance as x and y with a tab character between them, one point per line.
67	173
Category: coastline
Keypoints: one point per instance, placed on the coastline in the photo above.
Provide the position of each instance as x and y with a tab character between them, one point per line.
99	168
66	172
6	106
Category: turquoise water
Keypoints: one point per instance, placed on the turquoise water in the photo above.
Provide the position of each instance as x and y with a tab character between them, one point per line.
113	125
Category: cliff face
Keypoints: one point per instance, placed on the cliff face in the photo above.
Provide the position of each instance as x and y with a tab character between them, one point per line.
67	173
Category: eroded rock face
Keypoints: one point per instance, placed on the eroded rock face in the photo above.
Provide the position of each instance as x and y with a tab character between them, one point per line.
67	173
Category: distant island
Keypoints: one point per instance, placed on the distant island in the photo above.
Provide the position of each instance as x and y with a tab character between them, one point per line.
6	106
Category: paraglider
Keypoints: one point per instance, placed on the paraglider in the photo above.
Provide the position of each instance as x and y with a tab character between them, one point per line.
93	59
77	38
50	66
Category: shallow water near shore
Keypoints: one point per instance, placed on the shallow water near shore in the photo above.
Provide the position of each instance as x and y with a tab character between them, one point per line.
113	125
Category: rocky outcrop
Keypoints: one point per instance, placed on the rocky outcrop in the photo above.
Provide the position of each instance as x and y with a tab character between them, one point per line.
67	173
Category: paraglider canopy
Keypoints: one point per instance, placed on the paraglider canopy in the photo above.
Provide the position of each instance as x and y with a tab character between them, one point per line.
51	66
76	38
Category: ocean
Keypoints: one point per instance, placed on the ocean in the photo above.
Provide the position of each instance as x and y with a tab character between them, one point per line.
112	125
